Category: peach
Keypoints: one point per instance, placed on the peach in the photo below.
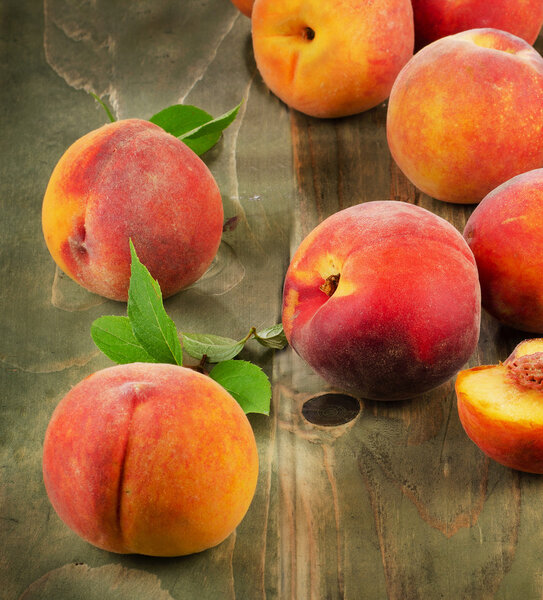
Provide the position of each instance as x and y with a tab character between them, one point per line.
435	19
151	459
131	179
501	407
382	300
244	6
331	59
465	114
505	235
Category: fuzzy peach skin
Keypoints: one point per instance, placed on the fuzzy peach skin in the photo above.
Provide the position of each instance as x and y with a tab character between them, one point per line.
405	314
131	179
331	59
435	19
505	234
466	114
501	407
244	6
150	459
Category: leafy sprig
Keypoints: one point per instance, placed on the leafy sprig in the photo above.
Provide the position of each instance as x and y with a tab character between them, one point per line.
192	125
148	334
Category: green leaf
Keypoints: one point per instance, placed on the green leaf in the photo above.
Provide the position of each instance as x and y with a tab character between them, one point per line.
246	382
214	347
194	126
202	144
115	338
180	119
104	106
272	337
215	126
152	327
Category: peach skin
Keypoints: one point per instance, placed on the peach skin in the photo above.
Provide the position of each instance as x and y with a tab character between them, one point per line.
151	459
382	300
505	234
131	179
435	19
244	6
331	59
465	114
501	407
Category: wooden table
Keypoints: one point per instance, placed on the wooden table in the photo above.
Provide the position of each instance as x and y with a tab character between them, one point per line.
397	503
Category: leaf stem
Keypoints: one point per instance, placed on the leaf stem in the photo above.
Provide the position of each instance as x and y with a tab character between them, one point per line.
251	333
104	106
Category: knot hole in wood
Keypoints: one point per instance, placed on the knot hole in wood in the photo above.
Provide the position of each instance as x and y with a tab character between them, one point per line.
330	410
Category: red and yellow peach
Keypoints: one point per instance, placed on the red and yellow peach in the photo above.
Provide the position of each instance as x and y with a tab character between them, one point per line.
331	59
131	179
466	114
382	300
151	459
505	235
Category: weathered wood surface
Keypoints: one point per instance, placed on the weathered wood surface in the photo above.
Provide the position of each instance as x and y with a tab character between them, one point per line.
397	503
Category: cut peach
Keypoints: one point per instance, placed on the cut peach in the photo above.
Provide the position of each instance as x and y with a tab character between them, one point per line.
501	407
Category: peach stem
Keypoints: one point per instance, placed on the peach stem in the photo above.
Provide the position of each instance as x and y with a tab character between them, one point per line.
330	285
308	33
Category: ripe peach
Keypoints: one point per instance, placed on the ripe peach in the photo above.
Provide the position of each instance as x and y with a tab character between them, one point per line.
501	407
506	237
382	300
435	19
131	179
150	459
331	59
465	114
244	6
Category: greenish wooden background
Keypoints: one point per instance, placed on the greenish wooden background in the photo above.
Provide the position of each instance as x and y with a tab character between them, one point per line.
396	504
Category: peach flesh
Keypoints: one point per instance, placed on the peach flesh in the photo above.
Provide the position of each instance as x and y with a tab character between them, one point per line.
501	407
150	459
131	179
382	300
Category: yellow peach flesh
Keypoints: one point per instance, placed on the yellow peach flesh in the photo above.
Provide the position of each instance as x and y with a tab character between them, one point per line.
492	392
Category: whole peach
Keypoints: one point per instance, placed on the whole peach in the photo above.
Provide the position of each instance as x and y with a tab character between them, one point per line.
382	300
244	6
465	114
131	179
435	19
150	459
331	59
501	407
505	234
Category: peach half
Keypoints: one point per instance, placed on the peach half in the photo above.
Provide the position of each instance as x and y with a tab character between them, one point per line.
131	179
382	300
331	59
466	114
501	407
151	459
